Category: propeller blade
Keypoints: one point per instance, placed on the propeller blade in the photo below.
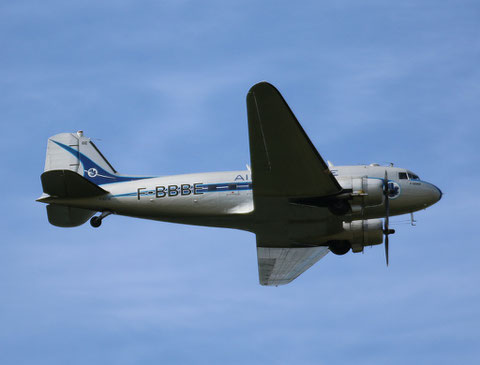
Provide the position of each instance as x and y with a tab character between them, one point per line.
387	213
386	246
386	230
385	184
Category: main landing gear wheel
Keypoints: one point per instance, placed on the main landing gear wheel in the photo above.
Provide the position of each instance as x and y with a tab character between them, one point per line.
339	247
97	220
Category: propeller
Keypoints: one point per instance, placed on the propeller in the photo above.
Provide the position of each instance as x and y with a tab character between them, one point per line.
386	230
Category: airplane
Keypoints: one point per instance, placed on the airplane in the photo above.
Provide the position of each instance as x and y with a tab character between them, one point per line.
299	207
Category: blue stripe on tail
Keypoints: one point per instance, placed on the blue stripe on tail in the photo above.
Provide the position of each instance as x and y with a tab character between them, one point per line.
94	172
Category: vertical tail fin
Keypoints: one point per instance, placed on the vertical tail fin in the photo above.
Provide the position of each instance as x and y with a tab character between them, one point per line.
73	151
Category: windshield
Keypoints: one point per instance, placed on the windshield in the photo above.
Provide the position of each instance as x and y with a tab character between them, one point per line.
412	176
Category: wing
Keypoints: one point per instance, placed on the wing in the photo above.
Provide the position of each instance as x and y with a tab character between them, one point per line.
284	161
279	266
286	168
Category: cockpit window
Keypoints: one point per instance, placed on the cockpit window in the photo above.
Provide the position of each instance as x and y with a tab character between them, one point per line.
412	176
402	175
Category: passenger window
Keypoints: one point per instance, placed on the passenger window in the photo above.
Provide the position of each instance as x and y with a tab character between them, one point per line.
402	175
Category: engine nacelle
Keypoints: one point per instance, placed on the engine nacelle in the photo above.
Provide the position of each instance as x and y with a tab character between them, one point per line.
365	192
363	233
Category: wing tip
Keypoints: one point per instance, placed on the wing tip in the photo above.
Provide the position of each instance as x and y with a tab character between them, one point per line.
262	85
275	283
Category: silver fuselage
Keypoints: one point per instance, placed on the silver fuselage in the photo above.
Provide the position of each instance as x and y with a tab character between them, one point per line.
225	199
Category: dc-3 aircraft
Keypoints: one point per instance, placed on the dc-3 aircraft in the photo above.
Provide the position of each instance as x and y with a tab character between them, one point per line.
299	207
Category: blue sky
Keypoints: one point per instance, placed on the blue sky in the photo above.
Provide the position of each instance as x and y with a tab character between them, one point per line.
161	86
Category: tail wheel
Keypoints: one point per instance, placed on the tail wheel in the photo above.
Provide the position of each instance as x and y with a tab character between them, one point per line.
95	222
339	247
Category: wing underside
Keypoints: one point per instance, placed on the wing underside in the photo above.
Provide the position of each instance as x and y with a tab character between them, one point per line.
279	266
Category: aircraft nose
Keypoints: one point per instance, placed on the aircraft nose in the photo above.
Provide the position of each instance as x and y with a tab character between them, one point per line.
434	194
440	194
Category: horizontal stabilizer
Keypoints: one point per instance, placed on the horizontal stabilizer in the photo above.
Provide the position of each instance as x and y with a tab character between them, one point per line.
62	216
69	184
